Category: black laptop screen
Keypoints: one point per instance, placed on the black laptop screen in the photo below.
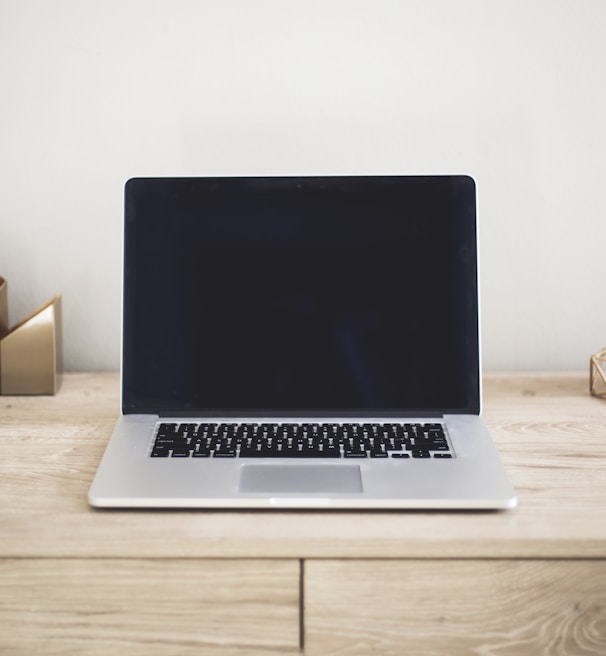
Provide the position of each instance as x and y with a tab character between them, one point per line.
354	295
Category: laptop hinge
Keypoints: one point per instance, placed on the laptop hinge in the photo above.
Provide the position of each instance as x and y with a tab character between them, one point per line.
251	415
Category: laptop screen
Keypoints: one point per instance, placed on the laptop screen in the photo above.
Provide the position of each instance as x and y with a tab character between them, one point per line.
313	296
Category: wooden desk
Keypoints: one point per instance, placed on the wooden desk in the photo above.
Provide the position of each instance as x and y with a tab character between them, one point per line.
528	581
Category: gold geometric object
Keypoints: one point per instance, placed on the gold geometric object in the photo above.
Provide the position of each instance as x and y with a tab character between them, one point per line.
3	308
31	353
597	374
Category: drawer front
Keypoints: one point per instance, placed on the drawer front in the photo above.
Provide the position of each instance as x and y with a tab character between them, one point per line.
435	607
149	607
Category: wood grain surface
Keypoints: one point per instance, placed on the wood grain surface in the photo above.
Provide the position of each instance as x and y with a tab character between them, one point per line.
550	432
455	608
74	580
148	607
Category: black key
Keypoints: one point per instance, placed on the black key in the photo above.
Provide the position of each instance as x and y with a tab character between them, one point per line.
180	453
270	429
222	432
187	428
167	441
160	452
354	454
321	453
252	453
400	455
433	427
203	453
421	453
442	455
167	428
264	453
181	432
286	453
225	453
353	430
397	430
378	447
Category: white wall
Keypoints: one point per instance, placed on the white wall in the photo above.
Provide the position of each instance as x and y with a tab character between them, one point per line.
511	91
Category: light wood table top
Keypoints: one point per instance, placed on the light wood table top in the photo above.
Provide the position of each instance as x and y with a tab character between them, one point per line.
550	432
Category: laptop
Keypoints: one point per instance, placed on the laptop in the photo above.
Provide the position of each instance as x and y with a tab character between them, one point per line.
301	342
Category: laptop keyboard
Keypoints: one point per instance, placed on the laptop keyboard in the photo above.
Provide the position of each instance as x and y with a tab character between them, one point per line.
327	440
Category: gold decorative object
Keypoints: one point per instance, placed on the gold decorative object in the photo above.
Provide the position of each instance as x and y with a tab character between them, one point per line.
3	308
597	374
31	356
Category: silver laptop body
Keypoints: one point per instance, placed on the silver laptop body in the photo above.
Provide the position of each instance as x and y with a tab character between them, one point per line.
301	342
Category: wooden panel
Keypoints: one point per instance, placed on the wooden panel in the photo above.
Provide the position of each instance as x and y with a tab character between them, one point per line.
149	607
450	608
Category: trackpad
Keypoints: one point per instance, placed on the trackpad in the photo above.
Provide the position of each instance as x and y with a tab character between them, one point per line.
293	479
